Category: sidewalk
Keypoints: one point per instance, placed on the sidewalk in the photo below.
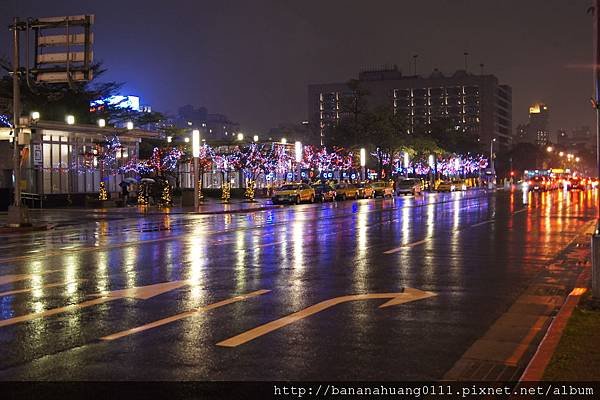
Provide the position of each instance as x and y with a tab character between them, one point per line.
73	215
513	342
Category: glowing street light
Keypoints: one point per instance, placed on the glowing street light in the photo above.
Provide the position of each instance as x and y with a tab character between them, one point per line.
196	154
240	137
70	120
169	139
35	115
298	154
129	125
298	151
406	161
363	162
255	138
283	140
549	149
187	140
577	159
101	122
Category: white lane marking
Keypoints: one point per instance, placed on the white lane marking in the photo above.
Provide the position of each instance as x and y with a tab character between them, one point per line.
489	221
407	245
4	279
141	292
520	211
31	289
183	315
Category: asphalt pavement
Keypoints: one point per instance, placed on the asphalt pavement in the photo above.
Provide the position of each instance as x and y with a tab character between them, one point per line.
292	293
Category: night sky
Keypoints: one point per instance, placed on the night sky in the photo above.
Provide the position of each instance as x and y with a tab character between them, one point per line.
252	60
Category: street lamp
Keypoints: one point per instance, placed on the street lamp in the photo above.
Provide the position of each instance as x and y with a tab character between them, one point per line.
129	125
549	149
35	115
70	120
187	140
283	140
431	162
255	138
298	154
577	159
363	162
101	122
240	136
169	139
561	153
196	155
492	167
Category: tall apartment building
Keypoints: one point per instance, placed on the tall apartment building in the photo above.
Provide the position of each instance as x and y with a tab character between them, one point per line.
478	103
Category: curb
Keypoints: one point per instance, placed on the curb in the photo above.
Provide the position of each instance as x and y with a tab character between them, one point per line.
540	360
26	229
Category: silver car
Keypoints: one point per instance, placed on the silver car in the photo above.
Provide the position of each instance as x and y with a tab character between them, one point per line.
408	186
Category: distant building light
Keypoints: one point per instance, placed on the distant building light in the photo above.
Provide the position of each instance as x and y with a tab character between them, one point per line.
169	139
70	120
283	140
101	122
187	139
35	115
240	136
129	125
255	138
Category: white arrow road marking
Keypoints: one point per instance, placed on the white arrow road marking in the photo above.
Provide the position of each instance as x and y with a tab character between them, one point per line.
396	298
4	279
31	289
186	314
404	246
142	292
489	221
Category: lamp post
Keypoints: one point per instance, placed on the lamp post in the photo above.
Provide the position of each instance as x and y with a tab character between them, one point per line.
18	215
596	234
363	163
298	154
492	168
196	155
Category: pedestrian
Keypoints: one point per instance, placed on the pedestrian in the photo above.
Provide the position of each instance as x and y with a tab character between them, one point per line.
125	193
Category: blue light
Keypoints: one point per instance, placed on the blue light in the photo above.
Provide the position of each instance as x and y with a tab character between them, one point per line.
119	101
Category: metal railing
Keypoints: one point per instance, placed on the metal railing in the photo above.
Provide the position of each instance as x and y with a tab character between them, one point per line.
30	199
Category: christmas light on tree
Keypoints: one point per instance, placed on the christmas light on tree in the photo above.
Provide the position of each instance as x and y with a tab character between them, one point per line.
142	198
166	198
103	195
226	192
249	194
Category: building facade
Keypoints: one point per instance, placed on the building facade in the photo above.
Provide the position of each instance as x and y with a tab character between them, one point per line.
479	104
536	129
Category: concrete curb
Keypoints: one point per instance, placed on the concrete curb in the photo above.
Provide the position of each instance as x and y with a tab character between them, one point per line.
540	360
26	229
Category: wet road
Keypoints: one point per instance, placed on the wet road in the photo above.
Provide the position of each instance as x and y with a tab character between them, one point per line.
462	259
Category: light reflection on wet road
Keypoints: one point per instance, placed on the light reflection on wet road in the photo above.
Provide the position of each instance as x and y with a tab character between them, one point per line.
477	251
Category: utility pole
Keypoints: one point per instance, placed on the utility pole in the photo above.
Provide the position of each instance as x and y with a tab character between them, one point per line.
18	215
596	235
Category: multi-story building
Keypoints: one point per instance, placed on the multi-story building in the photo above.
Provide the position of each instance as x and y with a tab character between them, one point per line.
479	104
212	126
537	127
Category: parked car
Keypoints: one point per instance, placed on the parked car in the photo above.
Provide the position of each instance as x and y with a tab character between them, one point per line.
345	191
451	185
324	192
409	186
365	190
293	193
383	189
